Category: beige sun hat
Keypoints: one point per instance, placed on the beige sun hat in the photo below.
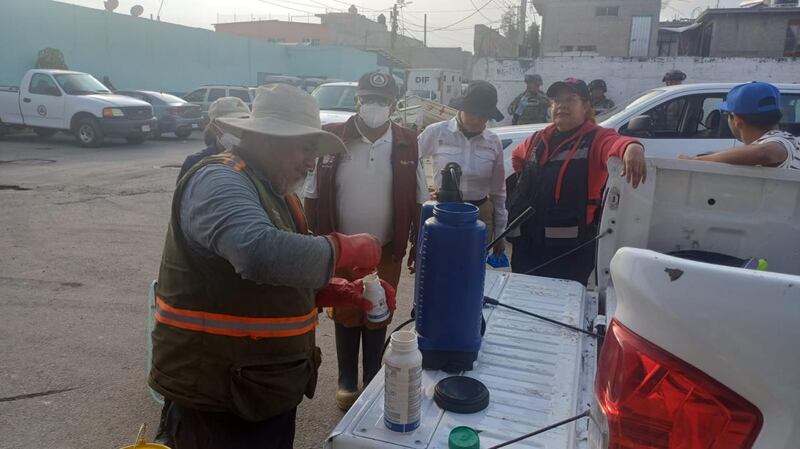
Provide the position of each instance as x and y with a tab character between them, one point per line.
228	107
280	110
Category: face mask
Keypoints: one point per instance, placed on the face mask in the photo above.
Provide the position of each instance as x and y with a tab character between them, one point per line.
228	141
374	114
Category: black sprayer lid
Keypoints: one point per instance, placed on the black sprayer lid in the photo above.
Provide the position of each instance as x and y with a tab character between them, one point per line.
461	394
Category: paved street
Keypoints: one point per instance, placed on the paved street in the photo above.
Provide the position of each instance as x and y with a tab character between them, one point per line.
81	235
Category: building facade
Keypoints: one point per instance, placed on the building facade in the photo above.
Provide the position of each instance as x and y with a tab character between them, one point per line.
620	28
757	32
279	32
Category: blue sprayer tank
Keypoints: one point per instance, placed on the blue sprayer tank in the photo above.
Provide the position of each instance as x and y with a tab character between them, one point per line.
449	286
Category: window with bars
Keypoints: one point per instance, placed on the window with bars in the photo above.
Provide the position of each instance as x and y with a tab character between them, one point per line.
607	11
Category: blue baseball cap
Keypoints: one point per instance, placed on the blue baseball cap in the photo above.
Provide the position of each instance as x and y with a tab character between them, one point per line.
752	98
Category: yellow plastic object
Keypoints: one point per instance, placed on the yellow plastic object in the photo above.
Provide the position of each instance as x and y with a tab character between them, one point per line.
141	444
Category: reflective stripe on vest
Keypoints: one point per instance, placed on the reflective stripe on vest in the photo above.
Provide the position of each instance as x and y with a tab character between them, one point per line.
235	326
234	161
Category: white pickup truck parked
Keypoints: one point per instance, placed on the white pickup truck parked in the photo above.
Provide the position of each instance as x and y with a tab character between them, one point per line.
50	101
670	120
695	355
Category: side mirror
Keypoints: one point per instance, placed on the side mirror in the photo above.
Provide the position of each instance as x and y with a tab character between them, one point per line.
641	126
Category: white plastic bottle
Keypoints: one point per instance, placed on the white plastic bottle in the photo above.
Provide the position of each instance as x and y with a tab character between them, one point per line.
403	384
375	294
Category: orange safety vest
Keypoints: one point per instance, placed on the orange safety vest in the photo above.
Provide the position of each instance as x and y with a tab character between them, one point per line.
223	343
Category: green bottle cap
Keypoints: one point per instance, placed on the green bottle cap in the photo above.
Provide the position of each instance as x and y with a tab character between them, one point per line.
464	438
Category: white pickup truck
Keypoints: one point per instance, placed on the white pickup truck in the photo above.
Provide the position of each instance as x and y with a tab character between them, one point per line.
695	355
50	101
670	120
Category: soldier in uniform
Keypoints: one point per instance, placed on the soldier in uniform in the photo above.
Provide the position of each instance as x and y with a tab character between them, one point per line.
673	78
531	106
597	91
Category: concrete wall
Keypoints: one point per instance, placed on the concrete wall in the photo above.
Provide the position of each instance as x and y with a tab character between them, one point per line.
625	76
756	35
357	31
489	43
143	54
278	31
575	23
436	58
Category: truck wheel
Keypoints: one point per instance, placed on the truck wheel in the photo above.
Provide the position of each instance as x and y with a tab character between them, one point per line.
89	133
135	139
183	133
45	132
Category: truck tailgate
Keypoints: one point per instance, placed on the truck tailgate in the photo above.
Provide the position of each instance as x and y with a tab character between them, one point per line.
537	374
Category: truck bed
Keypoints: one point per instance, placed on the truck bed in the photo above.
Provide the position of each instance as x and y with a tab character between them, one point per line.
537	374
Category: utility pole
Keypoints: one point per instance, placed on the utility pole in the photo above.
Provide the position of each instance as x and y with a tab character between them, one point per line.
425	32
394	25
523	8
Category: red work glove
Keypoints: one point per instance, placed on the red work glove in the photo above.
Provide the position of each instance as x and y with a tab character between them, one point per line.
356	255
341	293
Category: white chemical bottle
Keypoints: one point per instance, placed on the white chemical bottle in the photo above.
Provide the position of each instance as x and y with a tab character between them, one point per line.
402	400
376	295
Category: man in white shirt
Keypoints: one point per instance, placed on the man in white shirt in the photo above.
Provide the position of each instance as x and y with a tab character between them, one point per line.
378	186
754	113
466	141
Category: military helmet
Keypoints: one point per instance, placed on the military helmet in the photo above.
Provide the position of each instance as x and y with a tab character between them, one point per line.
534	78
674	75
598	84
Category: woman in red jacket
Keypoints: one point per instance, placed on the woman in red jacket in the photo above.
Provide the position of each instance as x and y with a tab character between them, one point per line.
561	173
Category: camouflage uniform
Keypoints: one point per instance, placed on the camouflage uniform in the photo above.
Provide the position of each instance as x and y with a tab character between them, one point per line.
536	111
602	106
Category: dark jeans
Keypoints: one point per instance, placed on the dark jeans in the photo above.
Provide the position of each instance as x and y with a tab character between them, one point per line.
347	343
194	429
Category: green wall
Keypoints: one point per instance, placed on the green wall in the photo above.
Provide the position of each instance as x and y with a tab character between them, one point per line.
138	53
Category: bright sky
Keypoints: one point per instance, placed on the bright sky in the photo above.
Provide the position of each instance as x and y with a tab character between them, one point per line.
450	22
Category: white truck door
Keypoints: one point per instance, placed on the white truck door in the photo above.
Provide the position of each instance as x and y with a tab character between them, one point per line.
42	102
690	125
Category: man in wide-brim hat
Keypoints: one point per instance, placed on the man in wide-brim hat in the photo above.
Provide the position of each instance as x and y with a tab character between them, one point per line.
241	281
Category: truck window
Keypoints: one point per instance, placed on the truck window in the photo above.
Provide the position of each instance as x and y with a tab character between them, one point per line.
668	118
215	94
240	93
42	84
197	96
705	120
790	106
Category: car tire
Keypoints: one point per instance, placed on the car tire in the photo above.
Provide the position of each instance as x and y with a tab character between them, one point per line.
136	140
183	133
45	133
89	133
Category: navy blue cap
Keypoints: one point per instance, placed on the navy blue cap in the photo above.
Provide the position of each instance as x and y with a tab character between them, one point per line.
752	98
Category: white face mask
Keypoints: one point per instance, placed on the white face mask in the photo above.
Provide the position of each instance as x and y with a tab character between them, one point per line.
374	114
228	141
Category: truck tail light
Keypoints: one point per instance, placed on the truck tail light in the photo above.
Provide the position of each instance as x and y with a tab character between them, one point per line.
653	400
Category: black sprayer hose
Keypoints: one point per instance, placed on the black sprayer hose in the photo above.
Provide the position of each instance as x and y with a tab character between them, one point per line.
561	256
542	430
494	302
525	215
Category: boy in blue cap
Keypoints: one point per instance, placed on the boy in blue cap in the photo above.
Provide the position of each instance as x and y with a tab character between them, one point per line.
754	112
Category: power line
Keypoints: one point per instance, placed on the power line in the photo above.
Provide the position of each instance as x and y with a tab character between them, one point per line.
288	7
472	2
463	19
